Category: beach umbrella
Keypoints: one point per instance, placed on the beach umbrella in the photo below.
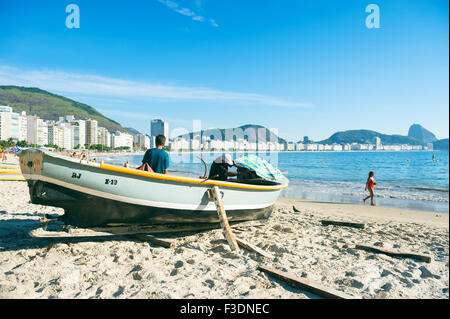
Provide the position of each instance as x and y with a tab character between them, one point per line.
261	167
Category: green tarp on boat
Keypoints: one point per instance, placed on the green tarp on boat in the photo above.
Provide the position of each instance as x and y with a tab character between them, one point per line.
261	167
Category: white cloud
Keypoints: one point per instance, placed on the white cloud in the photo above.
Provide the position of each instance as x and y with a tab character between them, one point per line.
113	88
213	23
186	11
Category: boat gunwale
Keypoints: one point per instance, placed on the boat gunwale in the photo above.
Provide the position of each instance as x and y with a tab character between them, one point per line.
173	178
183	179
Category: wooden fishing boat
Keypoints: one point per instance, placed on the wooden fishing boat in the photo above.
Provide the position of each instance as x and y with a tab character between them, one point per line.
98	194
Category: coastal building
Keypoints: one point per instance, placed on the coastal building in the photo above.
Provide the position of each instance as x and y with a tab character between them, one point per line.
194	144
291	146
121	139
12	124
299	147
142	141
312	147
79	133
346	147
146	141
67	135
5	122
37	130
91	132
159	127
53	135
103	137
378	145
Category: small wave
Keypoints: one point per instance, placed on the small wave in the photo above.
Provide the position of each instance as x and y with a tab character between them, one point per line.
444	190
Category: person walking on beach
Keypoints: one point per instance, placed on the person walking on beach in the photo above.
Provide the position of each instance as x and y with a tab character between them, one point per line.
157	158
370	185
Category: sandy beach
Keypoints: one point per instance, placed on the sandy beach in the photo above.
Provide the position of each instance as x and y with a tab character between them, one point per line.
203	265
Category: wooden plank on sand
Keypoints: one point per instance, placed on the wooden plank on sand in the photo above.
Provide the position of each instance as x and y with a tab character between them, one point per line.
394	253
157	241
304	284
337	223
253	248
223	219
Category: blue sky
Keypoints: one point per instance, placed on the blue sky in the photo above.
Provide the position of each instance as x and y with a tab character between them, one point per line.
301	67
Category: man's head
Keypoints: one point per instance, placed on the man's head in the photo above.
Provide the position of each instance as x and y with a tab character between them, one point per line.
160	140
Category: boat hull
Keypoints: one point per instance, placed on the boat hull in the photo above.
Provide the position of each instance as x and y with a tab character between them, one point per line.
98	195
83	210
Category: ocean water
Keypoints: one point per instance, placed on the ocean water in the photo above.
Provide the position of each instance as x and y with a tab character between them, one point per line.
411	180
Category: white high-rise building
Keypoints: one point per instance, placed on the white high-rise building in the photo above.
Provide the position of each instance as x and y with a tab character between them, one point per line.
37	130
146	141
104	137
120	139
378	143
79	133
91	132
54	132
12	125
5	122
23	126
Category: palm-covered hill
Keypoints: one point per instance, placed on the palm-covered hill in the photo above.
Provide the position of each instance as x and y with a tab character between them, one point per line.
49	106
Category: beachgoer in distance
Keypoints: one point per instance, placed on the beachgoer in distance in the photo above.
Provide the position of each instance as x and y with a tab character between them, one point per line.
127	164
220	166
157	158
370	185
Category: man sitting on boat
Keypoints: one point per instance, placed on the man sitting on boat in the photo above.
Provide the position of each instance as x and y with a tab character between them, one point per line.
220	166
157	158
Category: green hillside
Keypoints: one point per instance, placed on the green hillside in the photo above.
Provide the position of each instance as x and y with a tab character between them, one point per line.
49	106
368	137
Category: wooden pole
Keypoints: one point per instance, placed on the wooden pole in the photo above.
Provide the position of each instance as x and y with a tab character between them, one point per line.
304	284
394	253
336	223
223	219
253	248
157	241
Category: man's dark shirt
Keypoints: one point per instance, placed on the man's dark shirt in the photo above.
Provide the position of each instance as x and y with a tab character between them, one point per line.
158	160
218	169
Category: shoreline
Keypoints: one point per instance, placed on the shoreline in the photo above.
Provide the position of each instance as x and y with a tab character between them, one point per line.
319	197
306	194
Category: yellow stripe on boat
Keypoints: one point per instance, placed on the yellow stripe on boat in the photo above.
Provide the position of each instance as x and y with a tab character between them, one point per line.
187	179
10	172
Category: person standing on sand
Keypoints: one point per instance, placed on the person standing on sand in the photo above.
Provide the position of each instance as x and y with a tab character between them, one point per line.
370	185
